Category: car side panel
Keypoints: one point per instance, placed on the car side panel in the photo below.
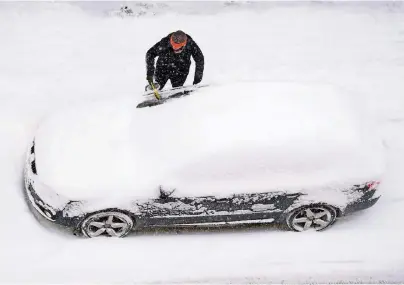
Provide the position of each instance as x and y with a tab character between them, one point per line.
172	210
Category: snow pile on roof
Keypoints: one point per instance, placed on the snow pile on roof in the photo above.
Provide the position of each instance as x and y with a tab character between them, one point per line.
239	138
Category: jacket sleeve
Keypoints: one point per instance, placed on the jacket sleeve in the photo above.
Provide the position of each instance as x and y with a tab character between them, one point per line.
199	62
151	54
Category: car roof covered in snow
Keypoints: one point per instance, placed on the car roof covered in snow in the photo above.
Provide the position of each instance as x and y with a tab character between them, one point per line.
224	139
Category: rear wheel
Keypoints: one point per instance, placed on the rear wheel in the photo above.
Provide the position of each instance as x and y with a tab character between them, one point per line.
311	217
108	224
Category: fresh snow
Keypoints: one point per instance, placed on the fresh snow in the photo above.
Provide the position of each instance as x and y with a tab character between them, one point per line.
55	56
222	140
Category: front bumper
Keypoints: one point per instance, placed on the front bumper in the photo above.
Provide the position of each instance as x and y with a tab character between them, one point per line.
45	201
47	211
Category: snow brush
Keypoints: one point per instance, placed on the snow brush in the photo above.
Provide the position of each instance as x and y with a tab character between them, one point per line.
156	93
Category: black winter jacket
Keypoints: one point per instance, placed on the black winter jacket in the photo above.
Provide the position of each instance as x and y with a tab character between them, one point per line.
180	62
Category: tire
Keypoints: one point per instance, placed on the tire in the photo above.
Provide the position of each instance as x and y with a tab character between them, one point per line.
316	217
107	224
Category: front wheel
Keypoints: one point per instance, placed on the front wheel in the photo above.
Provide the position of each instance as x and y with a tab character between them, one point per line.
108	224
317	217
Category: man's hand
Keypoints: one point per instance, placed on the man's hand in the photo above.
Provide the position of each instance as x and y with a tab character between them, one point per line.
196	81
149	78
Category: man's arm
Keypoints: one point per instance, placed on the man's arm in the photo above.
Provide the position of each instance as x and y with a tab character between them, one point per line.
199	62
151	54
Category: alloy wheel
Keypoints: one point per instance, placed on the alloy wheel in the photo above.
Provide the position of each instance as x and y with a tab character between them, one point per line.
108	224
311	217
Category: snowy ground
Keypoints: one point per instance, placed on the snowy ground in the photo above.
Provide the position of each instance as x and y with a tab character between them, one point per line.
53	55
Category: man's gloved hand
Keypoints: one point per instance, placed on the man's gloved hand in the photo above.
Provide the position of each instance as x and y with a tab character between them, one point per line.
149	78
151	82
148	86
196	81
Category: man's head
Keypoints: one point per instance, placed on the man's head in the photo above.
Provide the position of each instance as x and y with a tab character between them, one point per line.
178	41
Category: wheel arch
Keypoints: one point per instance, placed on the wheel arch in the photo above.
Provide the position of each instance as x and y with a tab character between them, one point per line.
338	208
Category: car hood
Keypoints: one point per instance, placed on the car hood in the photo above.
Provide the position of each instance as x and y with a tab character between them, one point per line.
238	138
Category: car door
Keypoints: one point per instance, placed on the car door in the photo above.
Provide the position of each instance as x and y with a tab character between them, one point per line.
172	210
260	206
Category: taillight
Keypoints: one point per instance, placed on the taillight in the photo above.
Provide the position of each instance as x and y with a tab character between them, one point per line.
372	185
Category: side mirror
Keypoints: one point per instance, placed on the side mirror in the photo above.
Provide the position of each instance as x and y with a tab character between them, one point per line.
164	194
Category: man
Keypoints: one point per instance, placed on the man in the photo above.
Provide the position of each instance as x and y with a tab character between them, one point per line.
174	52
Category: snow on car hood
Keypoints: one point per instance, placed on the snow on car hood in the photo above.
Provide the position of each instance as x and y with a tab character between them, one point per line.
238	138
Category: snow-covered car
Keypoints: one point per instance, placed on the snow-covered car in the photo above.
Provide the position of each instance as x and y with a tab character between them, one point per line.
257	152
